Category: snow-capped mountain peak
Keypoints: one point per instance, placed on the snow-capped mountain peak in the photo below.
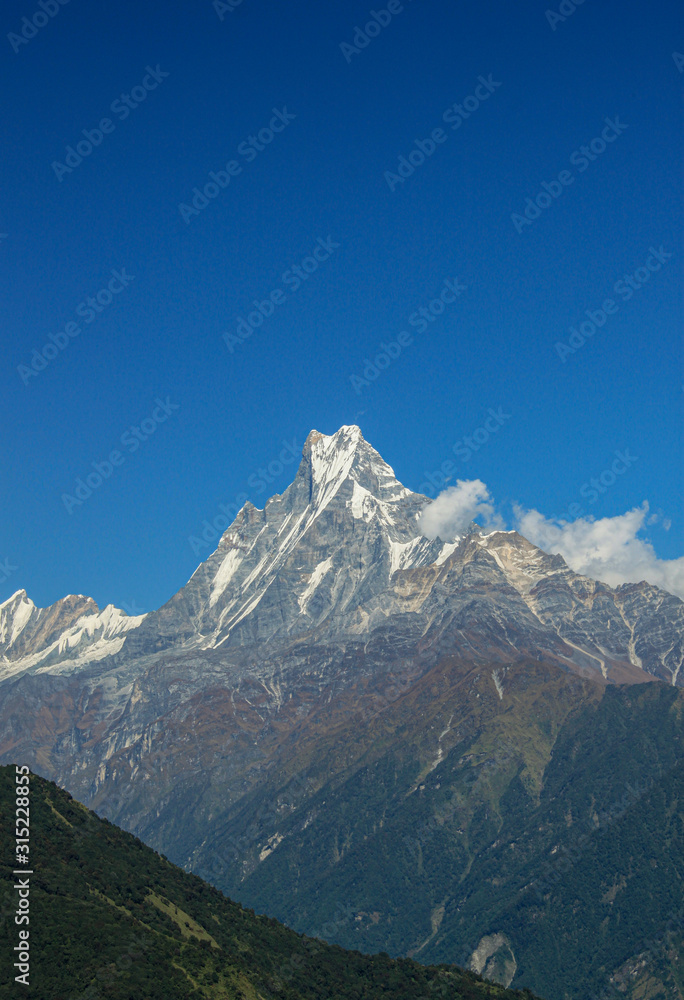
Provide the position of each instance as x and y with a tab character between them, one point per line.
341	552
328	461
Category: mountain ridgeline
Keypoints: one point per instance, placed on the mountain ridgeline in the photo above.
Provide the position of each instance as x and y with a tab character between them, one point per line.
111	918
458	750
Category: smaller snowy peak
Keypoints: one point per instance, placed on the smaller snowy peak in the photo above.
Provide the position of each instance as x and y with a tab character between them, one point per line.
71	607
62	634
19	611
15	614
523	563
111	620
19	596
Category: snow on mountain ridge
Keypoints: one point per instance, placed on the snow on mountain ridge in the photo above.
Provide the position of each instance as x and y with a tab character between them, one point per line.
334	458
17	616
64	633
17	593
326	554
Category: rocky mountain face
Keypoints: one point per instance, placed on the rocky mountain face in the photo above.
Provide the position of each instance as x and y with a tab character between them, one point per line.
331	686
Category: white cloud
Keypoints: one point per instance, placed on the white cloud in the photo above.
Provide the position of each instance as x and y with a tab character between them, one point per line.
456	507
609	549
612	549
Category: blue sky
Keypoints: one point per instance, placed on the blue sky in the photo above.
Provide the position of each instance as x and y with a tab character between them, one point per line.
171	282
